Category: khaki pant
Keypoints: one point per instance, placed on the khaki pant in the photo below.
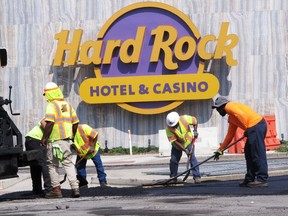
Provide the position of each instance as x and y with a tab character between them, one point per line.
53	164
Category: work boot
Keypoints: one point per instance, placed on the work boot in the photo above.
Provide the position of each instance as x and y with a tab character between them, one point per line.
197	180
244	183
174	181
103	184
75	193
83	183
55	193
257	183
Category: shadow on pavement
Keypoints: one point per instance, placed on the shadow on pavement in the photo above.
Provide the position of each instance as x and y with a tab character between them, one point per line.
277	186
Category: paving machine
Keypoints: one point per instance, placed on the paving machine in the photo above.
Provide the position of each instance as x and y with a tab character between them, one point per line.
12	154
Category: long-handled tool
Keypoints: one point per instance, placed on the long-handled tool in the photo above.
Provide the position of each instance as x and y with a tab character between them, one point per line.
188	170
65	176
188	164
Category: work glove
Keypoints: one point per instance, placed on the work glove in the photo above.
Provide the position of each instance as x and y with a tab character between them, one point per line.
187	152
195	133
217	154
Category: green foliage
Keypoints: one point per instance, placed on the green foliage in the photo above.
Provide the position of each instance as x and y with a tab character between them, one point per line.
135	150
282	148
118	150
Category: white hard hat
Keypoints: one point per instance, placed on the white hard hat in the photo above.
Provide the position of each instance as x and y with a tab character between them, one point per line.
50	85
172	119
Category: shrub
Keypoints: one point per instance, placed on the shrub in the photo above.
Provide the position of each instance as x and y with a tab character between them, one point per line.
282	148
135	150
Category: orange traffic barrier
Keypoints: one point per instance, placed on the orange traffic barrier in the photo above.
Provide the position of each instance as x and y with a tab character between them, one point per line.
271	140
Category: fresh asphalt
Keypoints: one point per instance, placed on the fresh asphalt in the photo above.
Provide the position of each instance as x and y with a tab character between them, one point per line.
218	194
135	170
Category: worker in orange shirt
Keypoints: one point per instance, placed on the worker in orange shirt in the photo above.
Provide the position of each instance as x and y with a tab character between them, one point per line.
255	128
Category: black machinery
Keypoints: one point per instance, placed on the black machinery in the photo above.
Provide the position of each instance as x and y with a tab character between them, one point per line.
10	150
12	155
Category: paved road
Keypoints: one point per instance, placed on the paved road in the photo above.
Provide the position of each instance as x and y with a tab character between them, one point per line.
218	194
209	198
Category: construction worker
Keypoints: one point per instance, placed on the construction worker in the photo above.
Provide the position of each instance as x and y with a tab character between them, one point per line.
87	147
179	134
255	128
61	125
39	169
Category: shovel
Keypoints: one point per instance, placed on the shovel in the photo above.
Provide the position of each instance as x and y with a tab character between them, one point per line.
65	176
188	170
188	164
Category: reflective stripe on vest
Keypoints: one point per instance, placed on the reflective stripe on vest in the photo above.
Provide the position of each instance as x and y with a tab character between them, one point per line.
83	145
60	120
183	124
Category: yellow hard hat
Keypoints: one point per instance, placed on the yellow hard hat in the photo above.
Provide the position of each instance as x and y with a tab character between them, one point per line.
52	91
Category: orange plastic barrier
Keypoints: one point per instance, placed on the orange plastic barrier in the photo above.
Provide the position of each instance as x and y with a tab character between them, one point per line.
271	141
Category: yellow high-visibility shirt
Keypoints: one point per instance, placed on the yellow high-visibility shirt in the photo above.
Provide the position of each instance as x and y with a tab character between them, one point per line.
82	140
36	132
183	133
64	116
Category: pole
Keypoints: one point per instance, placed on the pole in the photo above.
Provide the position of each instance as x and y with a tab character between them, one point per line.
129	139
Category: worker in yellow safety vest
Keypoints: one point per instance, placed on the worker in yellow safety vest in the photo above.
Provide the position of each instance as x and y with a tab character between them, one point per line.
38	169
182	138
61	125
87	147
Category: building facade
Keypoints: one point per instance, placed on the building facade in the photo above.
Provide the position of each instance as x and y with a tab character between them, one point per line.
28	29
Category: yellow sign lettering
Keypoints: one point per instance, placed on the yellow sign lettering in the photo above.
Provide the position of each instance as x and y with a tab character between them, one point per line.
130	49
63	46
190	48
165	36
202	47
222	47
111	46
134	45
95	57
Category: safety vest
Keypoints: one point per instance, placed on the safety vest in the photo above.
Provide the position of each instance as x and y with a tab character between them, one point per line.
36	132
182	134
83	137
64	116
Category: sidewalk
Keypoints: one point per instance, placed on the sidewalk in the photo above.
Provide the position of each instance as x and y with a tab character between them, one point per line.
152	168
135	170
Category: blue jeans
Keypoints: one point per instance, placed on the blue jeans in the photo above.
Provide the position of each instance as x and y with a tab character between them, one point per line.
176	155
81	167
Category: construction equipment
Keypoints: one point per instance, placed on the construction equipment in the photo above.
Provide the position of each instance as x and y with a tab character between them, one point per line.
76	164
12	155
188	164
172	179
3	57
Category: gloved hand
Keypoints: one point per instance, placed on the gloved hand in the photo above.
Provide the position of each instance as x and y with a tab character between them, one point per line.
187	152
245	134
217	154
195	133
